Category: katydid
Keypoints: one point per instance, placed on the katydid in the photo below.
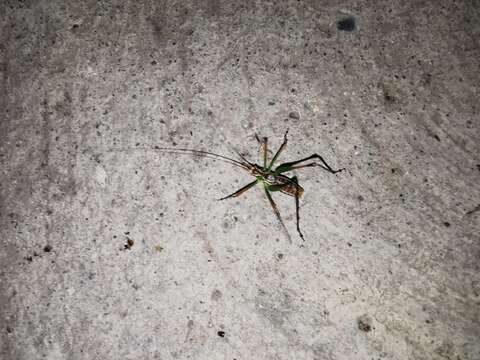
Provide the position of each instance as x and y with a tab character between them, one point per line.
270	178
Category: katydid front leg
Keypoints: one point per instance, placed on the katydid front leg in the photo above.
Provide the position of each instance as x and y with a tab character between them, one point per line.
280	149
241	190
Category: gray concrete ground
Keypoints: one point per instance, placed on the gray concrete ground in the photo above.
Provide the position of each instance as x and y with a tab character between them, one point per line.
110	250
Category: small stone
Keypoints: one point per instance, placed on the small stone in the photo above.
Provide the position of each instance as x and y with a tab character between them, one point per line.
129	244
346	24
294	115
158	248
364	323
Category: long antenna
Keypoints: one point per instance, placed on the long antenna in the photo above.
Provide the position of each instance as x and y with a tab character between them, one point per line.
193	152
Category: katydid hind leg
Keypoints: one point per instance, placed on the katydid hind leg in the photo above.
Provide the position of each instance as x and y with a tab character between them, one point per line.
296	167
291	165
240	191
297	206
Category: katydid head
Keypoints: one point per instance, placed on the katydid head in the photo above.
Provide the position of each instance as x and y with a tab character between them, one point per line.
256	170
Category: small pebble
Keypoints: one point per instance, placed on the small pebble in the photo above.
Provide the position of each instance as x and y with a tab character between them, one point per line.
347	24
294	115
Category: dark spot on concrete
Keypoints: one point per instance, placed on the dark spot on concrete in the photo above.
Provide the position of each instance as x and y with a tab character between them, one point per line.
393	171
9	329
477	208
47	248
388	98
436	137
294	115
153	62
360	198
346	24
216	295
446	223
129	244
29	258
349	244
279	256
364	323
221	333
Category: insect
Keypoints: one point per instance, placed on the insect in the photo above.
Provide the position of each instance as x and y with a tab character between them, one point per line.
271	178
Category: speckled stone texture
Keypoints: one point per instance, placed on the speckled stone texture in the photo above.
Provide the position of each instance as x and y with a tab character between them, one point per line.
113	250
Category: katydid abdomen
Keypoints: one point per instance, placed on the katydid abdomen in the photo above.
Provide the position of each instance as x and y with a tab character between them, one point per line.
284	184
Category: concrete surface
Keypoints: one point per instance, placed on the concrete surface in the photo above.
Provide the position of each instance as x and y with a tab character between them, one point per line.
113	251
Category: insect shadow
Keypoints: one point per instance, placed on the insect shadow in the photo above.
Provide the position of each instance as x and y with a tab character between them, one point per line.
270	178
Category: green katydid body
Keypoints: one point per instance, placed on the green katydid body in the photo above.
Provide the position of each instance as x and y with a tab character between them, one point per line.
274	180
271	179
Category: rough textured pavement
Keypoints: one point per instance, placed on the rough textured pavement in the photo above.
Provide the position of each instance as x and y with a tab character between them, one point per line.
112	250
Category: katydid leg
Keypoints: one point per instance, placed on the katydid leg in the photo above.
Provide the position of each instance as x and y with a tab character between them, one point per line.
291	165
264	145
265	151
277	213
297	206
240	191
296	167
280	149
